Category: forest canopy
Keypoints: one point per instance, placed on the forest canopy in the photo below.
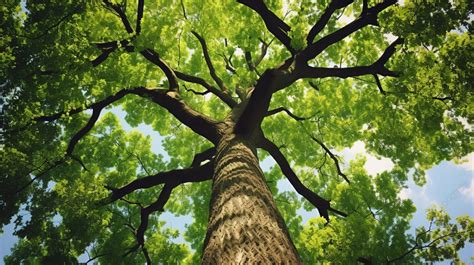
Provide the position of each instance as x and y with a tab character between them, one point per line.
228	84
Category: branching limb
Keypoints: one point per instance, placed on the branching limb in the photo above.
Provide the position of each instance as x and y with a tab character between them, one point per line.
273	23
323	20
417	246
370	17
97	105
169	100
377	68
228	100
173	178
228	63
263	51
280	109
333	157
72	143
320	203
158	205
42	173
154	57
207	58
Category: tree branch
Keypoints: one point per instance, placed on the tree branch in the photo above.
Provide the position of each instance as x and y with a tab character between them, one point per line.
155	206
377	68
280	109
154	57
333	157
138	27
173	178
228	100
199	123
203	156
370	17
273	23
70	148
207	58
323	20
320	203
120	12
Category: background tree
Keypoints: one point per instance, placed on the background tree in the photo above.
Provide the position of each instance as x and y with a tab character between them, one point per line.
227	84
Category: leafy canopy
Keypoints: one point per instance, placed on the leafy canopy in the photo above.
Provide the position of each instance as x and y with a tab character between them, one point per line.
64	57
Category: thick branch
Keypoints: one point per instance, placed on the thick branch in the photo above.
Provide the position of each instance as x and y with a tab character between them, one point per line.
323	20
273	23
155	206
370	17
173	178
169	100
207	58
377	68
333	157
203	156
138	27
120	12
320	203
228	100
154	57
102	57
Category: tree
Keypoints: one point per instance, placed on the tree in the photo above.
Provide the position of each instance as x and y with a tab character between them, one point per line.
228	84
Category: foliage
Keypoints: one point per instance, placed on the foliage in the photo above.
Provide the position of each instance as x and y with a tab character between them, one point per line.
55	59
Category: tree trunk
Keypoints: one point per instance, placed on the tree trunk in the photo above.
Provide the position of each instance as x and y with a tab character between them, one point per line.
245	226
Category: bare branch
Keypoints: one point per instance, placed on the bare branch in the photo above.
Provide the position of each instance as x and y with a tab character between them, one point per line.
320	203
207	58
273	23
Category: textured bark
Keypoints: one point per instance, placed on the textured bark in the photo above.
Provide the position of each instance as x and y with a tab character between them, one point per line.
244	226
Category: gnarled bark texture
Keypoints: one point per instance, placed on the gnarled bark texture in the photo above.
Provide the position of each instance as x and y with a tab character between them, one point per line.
244	226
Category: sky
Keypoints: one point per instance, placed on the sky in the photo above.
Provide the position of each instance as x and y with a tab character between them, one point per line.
449	185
